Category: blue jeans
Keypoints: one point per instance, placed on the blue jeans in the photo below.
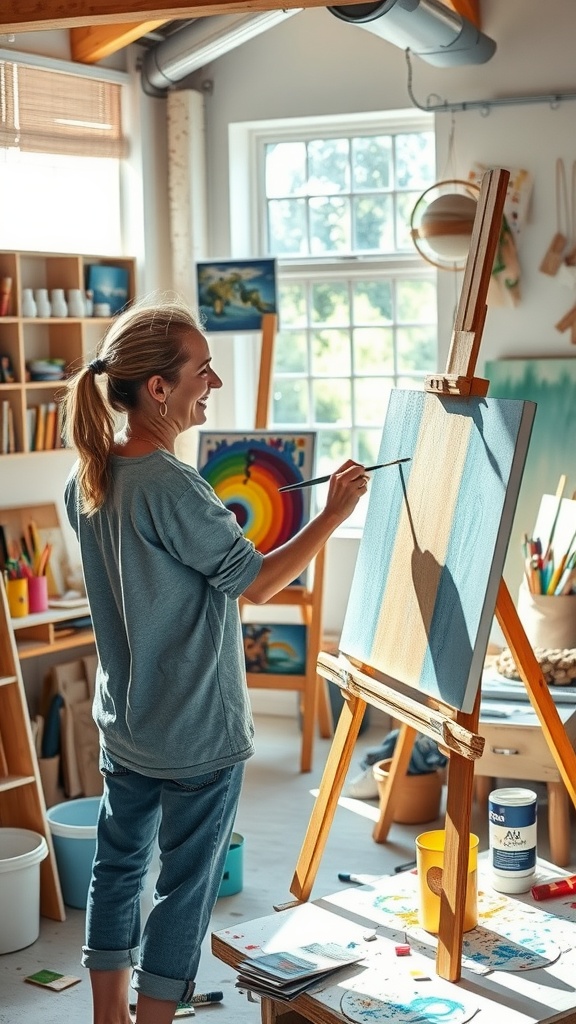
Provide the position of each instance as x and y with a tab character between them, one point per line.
193	819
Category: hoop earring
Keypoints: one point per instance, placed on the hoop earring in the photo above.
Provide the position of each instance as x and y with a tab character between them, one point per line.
163	409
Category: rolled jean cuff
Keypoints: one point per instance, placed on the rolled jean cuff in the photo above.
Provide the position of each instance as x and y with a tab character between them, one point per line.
109	959
157	987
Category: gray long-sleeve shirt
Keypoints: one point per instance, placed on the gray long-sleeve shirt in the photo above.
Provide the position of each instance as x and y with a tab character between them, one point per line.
164	563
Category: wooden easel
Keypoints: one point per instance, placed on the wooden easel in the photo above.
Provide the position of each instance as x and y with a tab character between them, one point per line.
309	599
454	730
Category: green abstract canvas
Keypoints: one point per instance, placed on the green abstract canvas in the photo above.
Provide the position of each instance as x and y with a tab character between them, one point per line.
551	383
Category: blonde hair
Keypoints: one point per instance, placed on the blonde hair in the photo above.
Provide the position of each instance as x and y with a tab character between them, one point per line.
144	340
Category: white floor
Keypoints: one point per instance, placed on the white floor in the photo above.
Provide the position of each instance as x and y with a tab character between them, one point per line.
274	812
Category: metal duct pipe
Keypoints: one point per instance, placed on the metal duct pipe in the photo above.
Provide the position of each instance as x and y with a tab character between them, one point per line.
199	43
425	27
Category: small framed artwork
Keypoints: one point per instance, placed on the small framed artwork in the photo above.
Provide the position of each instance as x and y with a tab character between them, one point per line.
275	648
109	287
246	470
233	295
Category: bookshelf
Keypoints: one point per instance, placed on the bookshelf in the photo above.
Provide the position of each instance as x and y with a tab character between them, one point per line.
25	404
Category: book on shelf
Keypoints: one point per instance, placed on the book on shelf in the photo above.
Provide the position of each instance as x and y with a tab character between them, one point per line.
8	443
285	975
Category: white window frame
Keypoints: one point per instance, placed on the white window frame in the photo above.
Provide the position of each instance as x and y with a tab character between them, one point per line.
248	229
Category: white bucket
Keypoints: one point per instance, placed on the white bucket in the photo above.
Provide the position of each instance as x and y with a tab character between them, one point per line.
21	852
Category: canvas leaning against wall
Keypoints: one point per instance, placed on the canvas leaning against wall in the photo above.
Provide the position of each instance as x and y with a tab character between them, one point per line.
551	384
275	648
246	469
233	295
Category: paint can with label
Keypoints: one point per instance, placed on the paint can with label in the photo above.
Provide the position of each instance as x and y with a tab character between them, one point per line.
512	830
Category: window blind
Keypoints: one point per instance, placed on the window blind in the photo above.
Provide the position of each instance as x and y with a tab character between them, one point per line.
46	111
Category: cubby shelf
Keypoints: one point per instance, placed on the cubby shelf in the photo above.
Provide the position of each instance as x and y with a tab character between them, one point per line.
24	338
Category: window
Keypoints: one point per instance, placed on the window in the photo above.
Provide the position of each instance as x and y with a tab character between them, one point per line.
357	306
61	147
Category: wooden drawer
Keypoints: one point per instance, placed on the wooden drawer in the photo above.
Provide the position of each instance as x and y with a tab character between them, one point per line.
516	752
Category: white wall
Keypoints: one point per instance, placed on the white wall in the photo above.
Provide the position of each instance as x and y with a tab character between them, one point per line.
315	64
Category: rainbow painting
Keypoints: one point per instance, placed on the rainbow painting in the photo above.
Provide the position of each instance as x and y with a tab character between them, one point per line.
433	548
246	471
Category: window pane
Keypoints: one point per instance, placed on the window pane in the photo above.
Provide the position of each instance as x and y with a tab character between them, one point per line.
285	169
43	203
373	350
292	302
333	447
415	160
405	203
416	348
330	303
290	402
328	166
371	399
371	162
368	446
288	230
331	353
291	352
373	223
332	404
372	302
416	301
329	225
412	383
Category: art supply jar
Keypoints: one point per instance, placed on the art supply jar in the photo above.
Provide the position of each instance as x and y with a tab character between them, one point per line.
512	838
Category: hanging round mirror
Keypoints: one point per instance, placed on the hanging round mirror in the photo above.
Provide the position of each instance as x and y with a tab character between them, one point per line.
442	220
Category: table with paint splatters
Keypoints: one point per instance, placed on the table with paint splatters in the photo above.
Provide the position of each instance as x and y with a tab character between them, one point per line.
518	964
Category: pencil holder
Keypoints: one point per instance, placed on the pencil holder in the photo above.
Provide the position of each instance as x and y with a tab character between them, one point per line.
549	622
17	593
37	594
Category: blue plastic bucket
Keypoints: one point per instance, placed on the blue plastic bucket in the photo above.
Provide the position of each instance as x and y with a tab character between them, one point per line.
233	867
73	828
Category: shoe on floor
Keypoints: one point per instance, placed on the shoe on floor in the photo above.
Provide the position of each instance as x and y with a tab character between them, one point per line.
363	786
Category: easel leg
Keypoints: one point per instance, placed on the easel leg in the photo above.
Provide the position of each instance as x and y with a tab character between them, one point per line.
456	855
326	803
531	673
398	768
278	1013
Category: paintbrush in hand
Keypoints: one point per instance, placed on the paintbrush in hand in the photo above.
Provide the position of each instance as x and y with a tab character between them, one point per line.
324	479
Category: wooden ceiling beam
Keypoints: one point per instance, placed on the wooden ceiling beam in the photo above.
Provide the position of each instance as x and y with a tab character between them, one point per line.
89	45
30	15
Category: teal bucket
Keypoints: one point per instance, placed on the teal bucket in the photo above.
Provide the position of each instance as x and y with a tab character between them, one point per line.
73	828
233	867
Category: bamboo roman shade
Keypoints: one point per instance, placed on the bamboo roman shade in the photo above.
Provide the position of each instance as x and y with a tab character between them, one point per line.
45	111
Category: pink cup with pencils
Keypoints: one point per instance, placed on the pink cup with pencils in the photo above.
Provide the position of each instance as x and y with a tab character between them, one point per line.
37	594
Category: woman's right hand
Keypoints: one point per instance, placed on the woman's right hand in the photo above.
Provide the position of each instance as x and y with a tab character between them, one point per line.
347	485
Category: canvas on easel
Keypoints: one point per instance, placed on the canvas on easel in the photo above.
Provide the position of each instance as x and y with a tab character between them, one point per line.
433	547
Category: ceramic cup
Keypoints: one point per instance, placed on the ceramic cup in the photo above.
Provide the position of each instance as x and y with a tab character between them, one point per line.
430	865
17	593
37	594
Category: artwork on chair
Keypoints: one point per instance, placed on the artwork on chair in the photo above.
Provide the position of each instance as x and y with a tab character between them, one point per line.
551	384
234	294
433	548
275	648
247	468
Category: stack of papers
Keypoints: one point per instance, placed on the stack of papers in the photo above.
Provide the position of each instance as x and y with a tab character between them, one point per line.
284	975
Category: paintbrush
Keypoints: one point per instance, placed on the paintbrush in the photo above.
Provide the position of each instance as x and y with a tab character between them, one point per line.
324	479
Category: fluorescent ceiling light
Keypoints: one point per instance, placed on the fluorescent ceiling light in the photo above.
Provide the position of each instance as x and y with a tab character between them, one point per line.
201	42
